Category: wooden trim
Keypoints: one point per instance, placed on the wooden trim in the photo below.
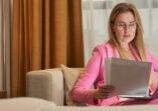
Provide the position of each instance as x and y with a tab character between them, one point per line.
3	94
7	43
1	48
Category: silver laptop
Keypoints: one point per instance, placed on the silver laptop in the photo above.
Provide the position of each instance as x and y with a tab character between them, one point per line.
129	77
147	96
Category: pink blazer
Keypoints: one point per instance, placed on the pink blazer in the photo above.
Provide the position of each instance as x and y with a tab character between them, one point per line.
94	74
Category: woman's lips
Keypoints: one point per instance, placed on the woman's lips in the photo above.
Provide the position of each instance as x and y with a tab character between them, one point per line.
126	35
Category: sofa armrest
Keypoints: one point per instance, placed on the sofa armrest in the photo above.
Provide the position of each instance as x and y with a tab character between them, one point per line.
46	84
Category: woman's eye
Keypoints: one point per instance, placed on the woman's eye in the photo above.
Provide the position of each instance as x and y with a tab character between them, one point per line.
121	24
131	24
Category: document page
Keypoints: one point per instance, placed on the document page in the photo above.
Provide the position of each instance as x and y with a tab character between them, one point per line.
129	77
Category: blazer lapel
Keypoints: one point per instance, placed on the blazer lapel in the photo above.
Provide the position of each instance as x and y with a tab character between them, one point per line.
135	52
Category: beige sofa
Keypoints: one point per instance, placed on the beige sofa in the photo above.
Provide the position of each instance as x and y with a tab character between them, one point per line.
50	85
36	104
25	104
55	84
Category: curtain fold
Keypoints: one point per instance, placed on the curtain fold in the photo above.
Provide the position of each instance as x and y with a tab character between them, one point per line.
46	33
75	33
59	24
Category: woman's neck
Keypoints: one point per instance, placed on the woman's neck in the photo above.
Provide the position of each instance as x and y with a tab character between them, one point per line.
125	47
127	51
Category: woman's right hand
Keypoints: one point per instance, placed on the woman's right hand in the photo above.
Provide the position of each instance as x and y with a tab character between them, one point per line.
103	92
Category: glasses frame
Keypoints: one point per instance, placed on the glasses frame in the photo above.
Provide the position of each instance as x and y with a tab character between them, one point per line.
123	26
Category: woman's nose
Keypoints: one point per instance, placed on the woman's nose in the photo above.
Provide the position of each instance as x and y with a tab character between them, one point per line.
126	28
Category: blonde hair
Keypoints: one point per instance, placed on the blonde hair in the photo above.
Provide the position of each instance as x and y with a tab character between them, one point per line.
137	42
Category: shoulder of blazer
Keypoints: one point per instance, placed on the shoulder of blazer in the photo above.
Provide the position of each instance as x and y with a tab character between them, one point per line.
104	49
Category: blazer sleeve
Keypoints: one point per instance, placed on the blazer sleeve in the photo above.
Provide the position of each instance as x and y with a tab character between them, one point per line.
81	92
154	60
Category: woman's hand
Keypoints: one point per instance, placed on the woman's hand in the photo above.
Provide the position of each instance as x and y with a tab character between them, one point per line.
103	92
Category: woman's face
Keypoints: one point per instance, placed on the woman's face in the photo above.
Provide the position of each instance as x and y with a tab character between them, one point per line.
125	27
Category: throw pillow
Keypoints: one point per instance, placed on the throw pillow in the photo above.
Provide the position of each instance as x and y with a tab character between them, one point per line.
71	75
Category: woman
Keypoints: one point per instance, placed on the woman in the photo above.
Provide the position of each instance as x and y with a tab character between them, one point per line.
125	41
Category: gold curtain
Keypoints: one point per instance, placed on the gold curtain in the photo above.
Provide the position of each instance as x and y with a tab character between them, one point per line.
46	33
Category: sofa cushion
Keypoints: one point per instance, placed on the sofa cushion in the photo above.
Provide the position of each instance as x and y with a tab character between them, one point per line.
70	77
25	104
107	108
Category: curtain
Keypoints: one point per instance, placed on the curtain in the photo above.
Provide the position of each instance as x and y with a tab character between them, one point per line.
46	33
95	21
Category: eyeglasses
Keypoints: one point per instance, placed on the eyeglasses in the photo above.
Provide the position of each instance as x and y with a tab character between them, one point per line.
122	26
